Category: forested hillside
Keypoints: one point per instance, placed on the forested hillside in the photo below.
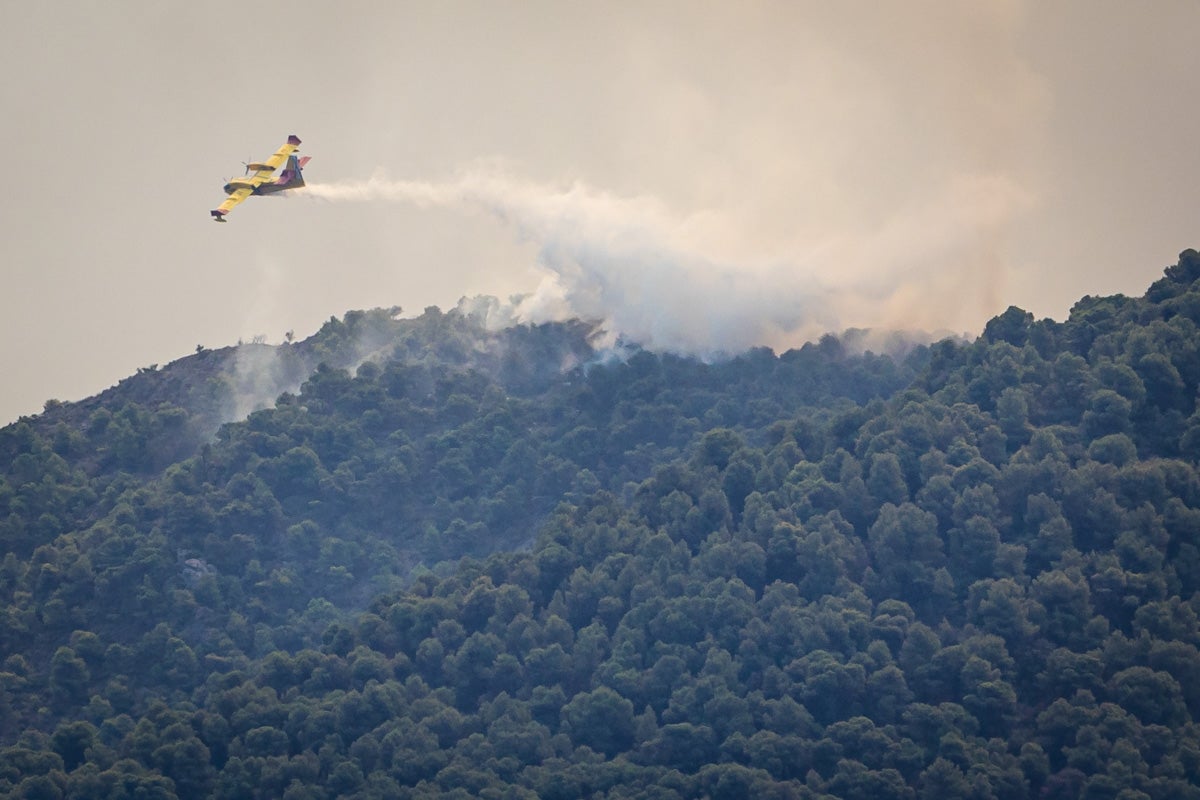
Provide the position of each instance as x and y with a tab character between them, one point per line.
465	563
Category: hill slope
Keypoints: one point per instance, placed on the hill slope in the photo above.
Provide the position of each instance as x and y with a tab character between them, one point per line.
972	573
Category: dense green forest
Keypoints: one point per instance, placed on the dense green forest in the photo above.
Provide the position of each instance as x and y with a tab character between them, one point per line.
455	562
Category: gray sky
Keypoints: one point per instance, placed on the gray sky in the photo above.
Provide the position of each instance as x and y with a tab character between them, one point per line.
702	175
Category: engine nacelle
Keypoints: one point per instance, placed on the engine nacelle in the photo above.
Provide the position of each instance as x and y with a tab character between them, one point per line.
240	183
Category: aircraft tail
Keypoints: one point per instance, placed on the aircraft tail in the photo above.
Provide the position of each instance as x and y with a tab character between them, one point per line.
292	175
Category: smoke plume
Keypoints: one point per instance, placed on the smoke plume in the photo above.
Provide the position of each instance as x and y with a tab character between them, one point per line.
781	171
680	283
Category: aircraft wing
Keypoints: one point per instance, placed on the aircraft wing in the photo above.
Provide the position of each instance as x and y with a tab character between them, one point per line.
235	197
264	170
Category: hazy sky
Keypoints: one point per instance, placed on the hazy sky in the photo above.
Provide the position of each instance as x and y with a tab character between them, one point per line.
702	175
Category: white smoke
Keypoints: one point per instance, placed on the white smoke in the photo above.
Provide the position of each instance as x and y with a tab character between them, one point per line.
680	283
257	378
624	261
784	170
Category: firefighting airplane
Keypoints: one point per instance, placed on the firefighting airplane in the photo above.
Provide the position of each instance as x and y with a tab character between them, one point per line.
261	181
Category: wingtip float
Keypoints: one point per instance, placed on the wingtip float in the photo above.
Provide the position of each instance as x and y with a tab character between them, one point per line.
260	178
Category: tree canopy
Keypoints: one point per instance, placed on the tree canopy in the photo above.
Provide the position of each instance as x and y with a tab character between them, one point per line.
459	562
